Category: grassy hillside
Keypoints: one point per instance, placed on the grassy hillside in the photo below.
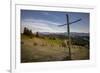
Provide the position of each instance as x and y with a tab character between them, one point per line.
40	49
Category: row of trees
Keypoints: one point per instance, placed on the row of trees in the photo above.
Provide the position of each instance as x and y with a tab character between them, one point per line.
29	32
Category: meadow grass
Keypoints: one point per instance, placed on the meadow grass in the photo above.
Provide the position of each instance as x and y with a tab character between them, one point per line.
37	49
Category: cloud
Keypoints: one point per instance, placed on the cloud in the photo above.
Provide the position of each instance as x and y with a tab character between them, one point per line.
41	21
38	25
45	13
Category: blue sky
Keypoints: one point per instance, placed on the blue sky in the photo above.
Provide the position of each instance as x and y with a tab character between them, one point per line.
48	21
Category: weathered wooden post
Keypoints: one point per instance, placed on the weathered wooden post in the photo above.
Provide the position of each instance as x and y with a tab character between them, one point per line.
68	31
69	41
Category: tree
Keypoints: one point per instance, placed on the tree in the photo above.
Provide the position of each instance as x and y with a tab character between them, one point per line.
27	31
37	34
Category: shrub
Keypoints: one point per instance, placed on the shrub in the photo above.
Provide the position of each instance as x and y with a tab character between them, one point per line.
35	44
22	42
52	38
63	44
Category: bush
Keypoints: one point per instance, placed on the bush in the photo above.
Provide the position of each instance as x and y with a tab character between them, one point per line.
22	42
35	44
63	44
52	38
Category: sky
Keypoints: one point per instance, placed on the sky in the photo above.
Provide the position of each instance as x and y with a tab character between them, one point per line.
48	21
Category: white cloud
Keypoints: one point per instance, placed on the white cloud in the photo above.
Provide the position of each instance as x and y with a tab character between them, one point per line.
41	25
45	13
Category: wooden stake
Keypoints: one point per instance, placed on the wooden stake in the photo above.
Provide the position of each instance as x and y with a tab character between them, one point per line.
68	31
69	41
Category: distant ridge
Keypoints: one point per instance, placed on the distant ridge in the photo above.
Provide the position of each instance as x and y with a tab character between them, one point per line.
65	33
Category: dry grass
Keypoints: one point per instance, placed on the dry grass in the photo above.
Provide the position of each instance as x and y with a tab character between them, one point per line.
40	50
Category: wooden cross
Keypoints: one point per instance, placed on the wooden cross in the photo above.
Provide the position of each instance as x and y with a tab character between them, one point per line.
68	30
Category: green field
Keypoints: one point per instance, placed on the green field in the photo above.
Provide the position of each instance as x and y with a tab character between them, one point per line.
36	49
